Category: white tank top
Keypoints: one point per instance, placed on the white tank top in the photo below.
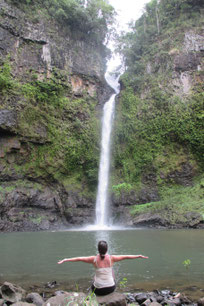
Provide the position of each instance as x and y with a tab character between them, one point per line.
103	276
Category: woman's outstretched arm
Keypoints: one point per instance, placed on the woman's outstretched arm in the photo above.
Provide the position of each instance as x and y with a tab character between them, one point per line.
116	258
89	259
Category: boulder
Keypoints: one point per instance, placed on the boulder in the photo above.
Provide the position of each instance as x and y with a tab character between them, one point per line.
130	298
22	304
60	292
112	299
12	293
151	220
184	299
7	119
141	297
146	303
159	298
2	302
65	299
201	302
34	298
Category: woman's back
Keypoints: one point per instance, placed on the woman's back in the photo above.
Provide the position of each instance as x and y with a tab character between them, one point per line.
103	263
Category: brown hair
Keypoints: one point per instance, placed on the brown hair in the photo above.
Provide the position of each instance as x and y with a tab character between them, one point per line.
102	248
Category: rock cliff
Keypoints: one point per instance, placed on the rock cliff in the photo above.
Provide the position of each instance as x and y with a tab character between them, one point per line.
158	147
52	91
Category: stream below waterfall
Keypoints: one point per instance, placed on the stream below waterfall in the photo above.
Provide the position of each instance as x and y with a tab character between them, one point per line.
31	258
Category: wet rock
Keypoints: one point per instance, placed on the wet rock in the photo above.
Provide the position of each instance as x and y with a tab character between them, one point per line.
32	209
65	299
201	302
176	301
185	300
186	61
7	119
171	301
149	219
193	219
60	292
146	303
166	292
12	293
141	297
112	299
167	302
159	298
184	176
23	304
34	298
130	298
51	284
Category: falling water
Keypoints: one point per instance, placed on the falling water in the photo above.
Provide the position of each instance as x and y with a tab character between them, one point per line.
103	178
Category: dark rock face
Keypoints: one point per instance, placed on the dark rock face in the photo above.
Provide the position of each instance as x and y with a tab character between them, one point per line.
29	200
7	120
35	46
183	176
34	209
147	193
150	220
185	62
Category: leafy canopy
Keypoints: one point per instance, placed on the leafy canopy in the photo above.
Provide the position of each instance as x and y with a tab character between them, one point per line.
92	17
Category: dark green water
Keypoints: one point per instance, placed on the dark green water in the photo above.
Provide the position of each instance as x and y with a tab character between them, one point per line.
32	257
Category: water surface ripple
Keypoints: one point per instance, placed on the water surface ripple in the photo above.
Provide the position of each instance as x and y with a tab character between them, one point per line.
32	257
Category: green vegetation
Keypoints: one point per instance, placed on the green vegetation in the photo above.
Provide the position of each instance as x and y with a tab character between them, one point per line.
159	127
37	220
160	29
63	130
145	128
123	283
90	299
176	202
91	19
7	84
151	116
117	189
186	263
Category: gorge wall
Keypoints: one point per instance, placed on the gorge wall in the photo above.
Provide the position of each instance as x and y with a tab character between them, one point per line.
52	91
158	143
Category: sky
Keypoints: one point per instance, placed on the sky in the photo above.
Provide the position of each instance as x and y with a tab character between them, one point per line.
128	10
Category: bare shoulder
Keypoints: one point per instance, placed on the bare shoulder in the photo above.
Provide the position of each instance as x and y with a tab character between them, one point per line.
115	258
89	259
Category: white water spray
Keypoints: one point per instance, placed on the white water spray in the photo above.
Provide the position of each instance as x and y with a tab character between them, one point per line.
107	122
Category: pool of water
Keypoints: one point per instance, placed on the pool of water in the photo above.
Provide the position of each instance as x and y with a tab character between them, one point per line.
32	257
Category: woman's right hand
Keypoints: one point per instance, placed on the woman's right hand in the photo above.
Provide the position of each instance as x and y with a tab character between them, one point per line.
60	262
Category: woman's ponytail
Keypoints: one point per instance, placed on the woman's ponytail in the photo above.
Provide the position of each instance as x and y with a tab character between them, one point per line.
102	248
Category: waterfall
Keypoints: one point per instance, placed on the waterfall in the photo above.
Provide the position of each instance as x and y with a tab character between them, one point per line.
103	177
